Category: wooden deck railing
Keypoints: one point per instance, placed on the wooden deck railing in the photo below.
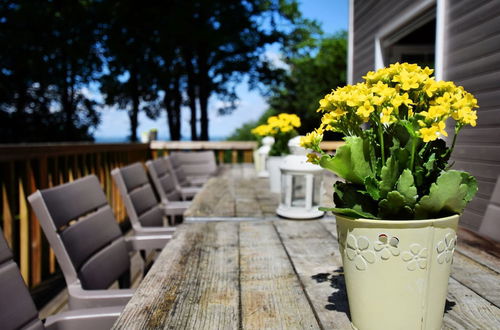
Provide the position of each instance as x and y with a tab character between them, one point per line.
26	168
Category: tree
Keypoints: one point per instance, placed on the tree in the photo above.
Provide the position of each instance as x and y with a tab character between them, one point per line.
44	73
128	36
311	74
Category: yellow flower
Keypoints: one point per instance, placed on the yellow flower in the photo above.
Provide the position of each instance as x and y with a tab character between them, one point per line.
401	99
263	130
432	133
313	158
311	139
386	116
428	133
365	110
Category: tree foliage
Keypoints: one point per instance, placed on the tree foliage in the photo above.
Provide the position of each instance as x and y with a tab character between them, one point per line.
312	67
162	56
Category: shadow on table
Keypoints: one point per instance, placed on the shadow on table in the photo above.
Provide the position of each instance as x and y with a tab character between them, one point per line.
338	299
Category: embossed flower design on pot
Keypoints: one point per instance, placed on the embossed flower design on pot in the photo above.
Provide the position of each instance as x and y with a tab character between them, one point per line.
446	248
357	251
386	246
416	257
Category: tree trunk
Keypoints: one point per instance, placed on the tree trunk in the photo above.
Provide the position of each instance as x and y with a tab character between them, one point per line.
134	112
170	101
204	94
191	91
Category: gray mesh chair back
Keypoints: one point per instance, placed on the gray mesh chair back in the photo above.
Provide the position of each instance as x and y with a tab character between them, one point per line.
146	213
195	167
179	172
87	241
143	208
17	310
165	182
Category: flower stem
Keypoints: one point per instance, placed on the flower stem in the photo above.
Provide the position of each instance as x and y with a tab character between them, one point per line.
382	148
457	129
413	148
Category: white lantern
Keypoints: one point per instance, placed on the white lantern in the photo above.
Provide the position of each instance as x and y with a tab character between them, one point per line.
263	154
301	185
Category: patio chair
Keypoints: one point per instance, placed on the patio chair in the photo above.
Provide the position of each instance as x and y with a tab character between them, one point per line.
166	183
197	166
181	175
81	229
17	310
145	212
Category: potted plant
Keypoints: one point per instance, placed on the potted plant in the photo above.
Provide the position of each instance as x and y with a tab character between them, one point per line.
398	208
282	129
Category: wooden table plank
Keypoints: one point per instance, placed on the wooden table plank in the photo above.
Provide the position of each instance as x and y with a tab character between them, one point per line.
315	255
237	193
194	283
271	294
467	310
477	277
479	249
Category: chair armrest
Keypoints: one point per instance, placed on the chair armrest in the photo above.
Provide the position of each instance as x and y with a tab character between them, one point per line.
150	242
83	319
82	299
154	231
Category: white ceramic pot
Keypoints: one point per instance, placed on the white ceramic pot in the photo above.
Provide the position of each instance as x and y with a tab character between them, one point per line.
273	167
397	272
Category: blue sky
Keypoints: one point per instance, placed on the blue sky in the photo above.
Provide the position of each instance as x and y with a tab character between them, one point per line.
333	16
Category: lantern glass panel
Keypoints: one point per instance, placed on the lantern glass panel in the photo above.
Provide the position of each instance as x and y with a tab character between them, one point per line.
317	189
298	190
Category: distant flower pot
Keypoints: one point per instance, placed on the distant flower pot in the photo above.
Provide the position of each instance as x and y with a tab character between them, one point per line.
273	167
153	135
397	272
144	137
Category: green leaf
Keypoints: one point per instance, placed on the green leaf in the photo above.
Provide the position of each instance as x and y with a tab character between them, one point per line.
388	176
395	207
448	195
406	187
429	164
353	213
392	169
351	161
349	196
371	185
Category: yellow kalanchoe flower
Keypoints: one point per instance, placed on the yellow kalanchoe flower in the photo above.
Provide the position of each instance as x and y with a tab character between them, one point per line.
312	139
313	158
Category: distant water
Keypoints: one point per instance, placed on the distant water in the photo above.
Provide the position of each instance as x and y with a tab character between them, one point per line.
121	139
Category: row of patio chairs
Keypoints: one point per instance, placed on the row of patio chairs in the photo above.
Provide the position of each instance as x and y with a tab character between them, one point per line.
89	245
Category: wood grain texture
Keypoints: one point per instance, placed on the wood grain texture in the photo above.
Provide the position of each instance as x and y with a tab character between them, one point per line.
193	284
468	310
271	294
236	192
316	259
477	277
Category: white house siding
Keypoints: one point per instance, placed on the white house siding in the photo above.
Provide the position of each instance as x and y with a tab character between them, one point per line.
471	59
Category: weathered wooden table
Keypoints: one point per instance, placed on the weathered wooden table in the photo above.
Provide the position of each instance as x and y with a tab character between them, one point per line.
282	274
238	194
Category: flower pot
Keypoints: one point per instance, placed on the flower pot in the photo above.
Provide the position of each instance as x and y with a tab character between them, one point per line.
273	167
397	272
